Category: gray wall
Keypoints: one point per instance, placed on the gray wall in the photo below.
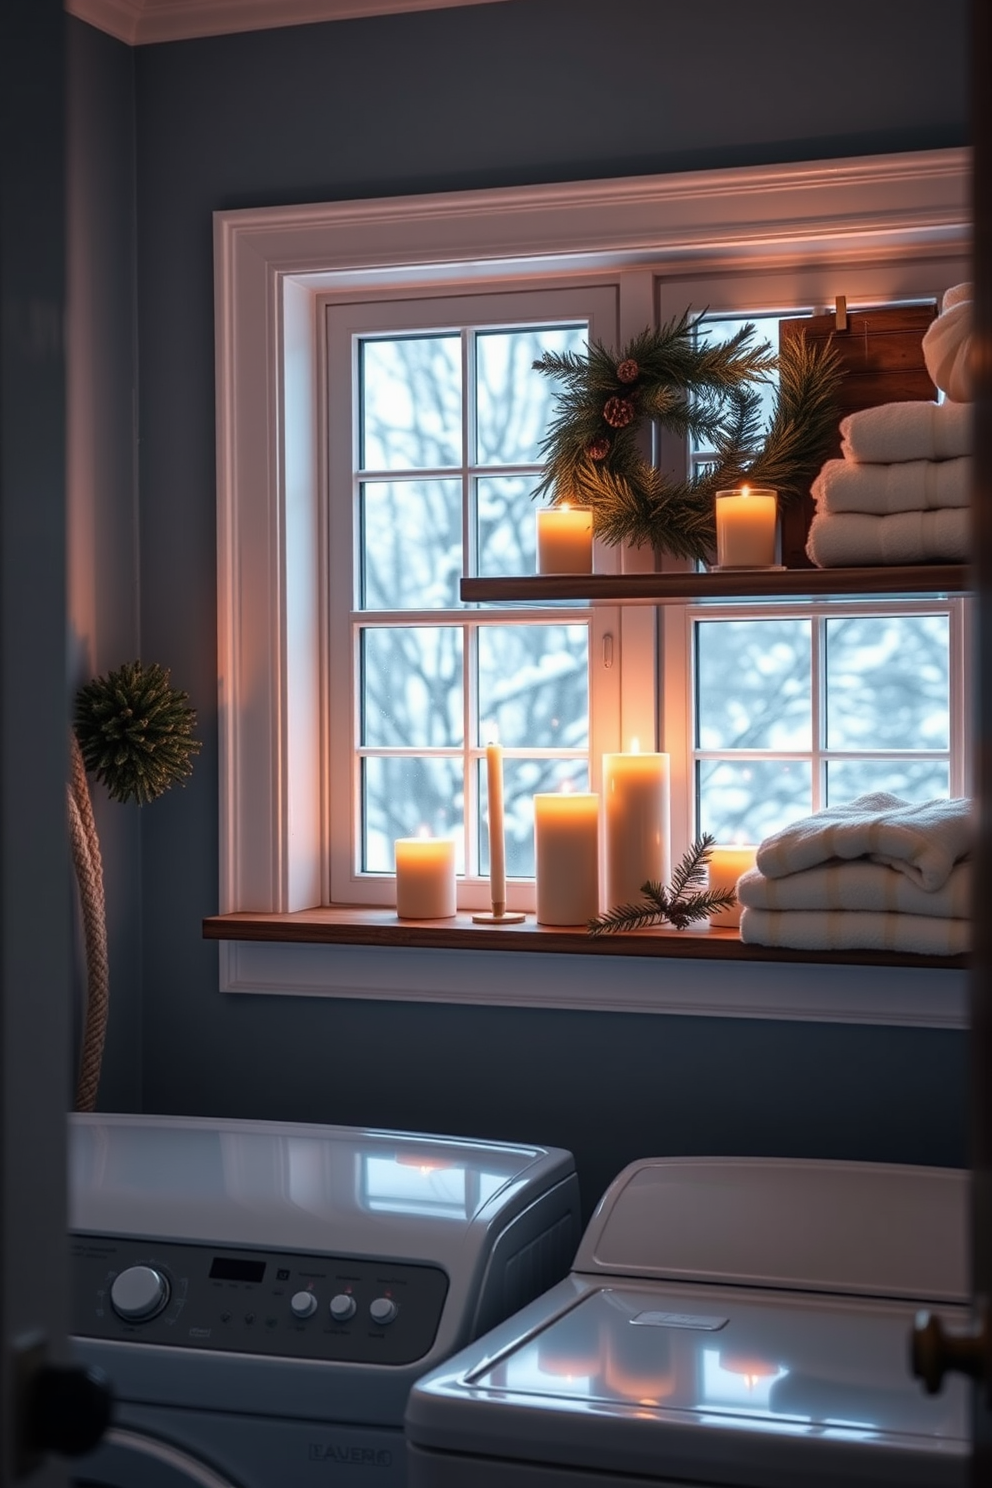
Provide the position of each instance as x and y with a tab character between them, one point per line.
101	484
523	91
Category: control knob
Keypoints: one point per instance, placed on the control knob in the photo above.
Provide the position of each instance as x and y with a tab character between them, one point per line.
383	1310
139	1293
342	1307
303	1304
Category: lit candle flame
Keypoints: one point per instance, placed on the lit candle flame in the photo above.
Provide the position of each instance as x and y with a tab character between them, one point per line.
635	745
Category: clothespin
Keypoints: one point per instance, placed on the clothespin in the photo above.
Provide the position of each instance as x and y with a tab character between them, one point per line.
840	313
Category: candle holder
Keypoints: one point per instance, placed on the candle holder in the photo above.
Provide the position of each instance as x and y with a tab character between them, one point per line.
746	529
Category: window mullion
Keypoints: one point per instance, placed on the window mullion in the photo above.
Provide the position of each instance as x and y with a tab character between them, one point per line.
818	721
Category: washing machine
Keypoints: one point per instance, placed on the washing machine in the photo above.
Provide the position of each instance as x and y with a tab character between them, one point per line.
738	1322
263	1295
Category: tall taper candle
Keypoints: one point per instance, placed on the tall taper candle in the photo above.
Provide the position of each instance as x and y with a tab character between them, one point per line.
497	841
636	812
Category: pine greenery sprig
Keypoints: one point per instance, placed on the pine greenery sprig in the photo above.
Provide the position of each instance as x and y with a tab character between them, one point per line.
700	390
683	902
135	731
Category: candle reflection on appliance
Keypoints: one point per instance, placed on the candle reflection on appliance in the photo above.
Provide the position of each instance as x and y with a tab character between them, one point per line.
639	1366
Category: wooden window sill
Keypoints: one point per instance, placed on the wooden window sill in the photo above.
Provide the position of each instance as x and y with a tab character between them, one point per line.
349	925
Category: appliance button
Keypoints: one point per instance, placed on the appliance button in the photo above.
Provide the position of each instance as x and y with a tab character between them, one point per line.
139	1293
342	1307
383	1310
303	1304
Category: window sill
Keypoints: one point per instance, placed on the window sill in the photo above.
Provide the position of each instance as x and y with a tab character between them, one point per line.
679	588
351	926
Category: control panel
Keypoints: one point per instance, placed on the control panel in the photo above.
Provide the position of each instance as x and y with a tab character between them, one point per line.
354	1310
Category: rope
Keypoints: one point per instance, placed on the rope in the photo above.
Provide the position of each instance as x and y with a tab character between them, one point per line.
89	874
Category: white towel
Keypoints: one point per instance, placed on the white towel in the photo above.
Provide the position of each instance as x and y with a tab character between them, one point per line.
852	930
854	539
907	431
858	884
880	490
922	839
947	345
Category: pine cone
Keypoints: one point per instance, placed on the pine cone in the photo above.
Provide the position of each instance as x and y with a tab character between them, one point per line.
135	732
599	449
618	412
628	370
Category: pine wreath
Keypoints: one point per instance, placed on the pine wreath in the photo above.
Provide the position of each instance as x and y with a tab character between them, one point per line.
136	731
697	389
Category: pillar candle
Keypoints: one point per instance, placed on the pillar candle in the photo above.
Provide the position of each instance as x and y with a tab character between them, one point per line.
566	849
564	540
636	797
425	878
497	843
745	528
725	867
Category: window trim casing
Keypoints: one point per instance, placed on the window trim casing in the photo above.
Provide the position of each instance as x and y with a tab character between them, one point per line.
273	265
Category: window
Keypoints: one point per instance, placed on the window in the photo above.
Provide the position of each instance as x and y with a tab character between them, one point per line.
435	420
793	235
799	707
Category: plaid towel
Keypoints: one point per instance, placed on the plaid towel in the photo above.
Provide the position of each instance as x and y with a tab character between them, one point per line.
857	884
923	839
853	930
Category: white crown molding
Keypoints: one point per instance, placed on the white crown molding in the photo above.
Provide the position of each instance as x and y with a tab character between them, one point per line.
138	22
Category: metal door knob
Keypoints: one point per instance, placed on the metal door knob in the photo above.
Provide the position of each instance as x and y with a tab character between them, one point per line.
935	1352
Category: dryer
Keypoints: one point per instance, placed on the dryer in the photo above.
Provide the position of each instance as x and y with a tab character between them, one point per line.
727	1321
263	1295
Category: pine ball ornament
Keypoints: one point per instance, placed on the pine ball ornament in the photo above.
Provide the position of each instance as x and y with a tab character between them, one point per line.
136	732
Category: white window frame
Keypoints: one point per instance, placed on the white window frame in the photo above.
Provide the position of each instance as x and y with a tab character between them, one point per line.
884	217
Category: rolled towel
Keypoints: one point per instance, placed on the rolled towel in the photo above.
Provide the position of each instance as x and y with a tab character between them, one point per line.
923	839
853	930
894	432
854	539
947	345
880	490
858	884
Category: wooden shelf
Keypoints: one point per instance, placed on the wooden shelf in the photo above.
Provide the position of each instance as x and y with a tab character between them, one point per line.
348	925
677	588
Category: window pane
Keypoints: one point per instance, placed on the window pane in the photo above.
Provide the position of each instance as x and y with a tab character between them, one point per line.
507	525
765	329
514	402
522	780
401	797
913	780
753	684
746	801
411	403
412	687
887	682
411	544
534	685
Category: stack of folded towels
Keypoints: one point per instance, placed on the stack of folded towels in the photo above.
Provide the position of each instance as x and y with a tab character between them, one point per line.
877	873
901	492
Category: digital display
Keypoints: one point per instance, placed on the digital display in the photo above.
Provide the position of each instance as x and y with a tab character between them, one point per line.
231	1268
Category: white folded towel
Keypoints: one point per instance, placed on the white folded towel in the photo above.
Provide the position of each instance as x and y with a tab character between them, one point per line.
907	431
923	839
880	490
854	539
947	345
852	930
860	884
